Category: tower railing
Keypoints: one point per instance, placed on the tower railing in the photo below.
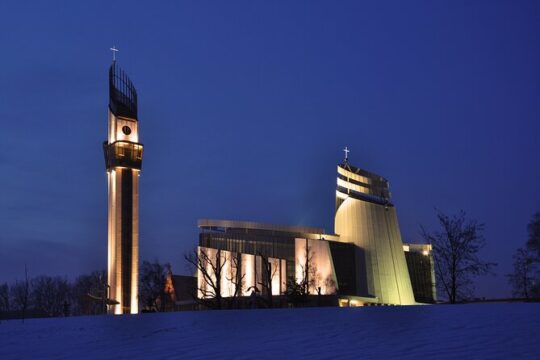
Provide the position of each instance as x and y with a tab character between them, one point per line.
122	93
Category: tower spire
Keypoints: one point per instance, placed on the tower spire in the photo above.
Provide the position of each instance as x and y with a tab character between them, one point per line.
123	161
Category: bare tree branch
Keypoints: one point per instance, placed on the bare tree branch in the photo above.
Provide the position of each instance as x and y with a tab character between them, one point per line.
209	270
455	249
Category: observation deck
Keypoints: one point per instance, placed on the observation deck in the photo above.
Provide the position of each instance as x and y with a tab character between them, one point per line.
125	154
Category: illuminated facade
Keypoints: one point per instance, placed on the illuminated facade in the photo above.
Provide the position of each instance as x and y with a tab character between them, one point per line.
123	159
364	262
366	217
287	251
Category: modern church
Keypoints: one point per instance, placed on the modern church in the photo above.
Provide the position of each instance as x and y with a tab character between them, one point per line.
363	263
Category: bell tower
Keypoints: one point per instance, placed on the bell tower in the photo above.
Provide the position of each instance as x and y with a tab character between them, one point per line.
123	160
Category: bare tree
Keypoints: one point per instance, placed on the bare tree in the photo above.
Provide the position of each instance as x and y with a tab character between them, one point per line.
296	292
236	278
455	249
523	277
19	298
330	285
20	294
298	288
533	228
89	293
49	294
526	263
209	270
314	278
4	299
309	271
267	275
152	284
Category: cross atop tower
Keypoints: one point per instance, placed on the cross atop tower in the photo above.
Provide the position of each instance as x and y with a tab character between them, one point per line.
346	151
114	51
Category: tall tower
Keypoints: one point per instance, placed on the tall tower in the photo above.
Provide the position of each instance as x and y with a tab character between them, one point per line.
365	217
123	159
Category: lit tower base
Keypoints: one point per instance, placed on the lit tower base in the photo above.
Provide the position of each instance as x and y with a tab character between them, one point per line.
123	159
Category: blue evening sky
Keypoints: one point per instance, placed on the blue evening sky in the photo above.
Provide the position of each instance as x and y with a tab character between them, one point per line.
245	107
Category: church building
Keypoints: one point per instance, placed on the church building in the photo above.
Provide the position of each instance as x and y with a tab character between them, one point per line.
364	262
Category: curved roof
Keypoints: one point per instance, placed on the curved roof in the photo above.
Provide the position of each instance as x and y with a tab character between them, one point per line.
362	185
361	172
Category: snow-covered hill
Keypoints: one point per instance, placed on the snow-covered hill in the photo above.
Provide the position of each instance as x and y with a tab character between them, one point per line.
502	331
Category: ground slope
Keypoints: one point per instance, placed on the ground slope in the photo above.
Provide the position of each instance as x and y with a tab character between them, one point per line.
461	331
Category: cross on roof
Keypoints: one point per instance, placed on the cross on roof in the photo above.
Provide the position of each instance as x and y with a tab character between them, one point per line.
114	51
346	151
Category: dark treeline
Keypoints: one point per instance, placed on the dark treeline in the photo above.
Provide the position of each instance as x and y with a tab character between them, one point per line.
51	296
54	296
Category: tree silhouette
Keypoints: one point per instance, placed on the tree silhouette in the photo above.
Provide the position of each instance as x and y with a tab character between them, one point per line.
455	251
523	277
209	270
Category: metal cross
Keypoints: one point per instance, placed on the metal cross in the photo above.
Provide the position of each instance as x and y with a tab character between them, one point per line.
347	151
114	51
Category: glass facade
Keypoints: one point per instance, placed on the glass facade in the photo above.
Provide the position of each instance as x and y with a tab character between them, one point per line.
345	266
252	242
421	271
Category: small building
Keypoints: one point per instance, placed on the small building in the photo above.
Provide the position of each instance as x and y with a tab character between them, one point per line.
179	290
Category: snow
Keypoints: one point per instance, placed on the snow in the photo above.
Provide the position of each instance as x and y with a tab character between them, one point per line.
492	331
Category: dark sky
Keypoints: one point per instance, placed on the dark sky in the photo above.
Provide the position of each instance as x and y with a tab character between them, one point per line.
244	108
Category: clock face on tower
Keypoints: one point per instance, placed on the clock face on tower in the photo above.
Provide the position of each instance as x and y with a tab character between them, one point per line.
126	130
